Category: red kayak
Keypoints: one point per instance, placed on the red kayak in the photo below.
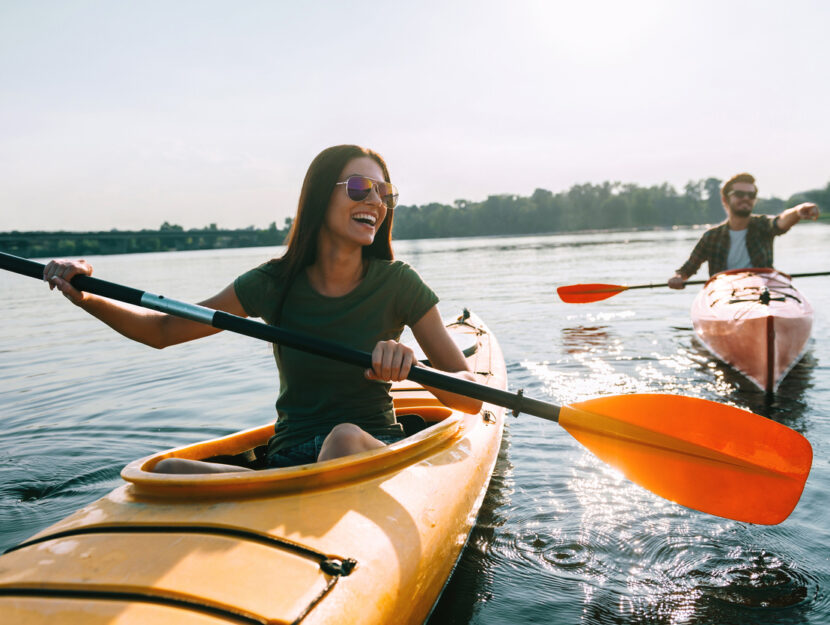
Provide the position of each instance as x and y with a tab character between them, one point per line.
754	320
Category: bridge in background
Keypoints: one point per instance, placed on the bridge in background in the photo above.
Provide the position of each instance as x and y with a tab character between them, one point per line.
40	244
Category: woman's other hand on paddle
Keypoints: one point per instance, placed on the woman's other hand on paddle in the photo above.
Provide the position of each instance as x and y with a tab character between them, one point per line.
59	273
391	361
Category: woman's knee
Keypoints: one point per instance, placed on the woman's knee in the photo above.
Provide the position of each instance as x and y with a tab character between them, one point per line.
346	439
346	433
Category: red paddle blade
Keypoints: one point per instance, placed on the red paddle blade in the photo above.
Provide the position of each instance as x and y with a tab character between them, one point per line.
701	454
586	293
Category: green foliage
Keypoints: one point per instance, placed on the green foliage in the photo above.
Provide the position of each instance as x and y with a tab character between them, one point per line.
610	205
818	196
582	207
168	237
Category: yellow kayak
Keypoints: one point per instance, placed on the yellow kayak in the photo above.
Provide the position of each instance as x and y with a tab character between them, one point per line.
370	538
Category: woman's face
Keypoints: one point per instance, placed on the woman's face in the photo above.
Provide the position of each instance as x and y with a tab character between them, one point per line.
355	222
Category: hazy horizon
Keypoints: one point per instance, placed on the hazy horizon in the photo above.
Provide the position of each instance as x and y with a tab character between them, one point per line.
128	115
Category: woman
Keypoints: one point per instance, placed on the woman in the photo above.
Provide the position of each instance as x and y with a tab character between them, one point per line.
338	280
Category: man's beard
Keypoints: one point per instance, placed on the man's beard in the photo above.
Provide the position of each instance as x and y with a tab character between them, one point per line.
742	211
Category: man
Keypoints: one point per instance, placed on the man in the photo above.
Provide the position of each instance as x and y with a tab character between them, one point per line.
743	240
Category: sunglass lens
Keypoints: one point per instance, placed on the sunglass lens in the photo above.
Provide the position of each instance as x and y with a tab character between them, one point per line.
388	193
358	188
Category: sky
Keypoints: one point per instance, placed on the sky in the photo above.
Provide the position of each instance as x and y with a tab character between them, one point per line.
124	115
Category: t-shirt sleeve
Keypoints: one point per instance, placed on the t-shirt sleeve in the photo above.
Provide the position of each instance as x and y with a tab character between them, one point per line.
256	290
415	298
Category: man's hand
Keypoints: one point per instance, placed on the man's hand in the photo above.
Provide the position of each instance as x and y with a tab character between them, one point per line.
807	210
677	282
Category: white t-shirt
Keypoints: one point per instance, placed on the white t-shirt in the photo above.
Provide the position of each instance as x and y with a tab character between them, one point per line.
738	255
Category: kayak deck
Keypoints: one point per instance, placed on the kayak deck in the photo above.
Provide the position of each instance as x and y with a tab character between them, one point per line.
754	320
370	538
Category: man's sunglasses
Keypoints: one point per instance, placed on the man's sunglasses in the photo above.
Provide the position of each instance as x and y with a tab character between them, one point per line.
744	194
359	188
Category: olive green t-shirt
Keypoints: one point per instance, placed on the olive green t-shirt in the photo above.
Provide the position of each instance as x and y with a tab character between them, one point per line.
317	393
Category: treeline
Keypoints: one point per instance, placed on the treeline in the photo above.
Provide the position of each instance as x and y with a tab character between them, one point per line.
582	207
169	237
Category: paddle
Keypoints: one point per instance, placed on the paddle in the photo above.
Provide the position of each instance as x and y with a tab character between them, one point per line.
586	293
707	456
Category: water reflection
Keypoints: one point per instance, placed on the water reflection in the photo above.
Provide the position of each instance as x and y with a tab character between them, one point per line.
522	243
787	405
587	339
634	557
709	585
471	584
644	560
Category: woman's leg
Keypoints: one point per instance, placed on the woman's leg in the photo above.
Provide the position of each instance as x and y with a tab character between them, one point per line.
180	465
347	439
343	440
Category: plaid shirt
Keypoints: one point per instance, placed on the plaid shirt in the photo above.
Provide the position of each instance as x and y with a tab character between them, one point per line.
714	246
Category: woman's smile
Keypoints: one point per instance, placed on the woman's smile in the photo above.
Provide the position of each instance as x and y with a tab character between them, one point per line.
366	218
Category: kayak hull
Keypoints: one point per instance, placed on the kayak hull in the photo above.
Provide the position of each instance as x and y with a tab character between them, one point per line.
370	538
754	320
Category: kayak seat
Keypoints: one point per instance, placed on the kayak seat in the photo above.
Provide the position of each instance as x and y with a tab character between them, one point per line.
412	423
251	458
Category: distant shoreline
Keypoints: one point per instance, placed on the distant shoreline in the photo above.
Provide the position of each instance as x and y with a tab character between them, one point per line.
587	208
161	241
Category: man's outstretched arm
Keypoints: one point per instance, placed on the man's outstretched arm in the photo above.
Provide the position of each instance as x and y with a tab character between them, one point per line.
788	218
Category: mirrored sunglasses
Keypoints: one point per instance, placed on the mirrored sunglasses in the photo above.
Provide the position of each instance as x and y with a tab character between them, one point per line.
359	188
744	194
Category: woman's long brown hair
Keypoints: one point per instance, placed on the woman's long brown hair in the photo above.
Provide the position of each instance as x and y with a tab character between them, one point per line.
318	186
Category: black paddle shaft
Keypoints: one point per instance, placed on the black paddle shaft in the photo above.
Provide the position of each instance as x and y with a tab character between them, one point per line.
427	376
691	282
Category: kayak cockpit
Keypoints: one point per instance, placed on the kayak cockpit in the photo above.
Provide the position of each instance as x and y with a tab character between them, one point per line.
438	427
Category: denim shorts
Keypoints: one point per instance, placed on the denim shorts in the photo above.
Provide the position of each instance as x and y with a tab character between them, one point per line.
307	451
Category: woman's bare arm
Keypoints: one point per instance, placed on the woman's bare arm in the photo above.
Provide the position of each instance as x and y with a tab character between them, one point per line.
152	328
445	355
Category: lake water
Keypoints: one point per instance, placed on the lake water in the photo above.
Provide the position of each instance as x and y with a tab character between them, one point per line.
561	538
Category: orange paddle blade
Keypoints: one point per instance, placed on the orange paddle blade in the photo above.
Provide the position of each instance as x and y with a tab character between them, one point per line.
586	293
701	454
